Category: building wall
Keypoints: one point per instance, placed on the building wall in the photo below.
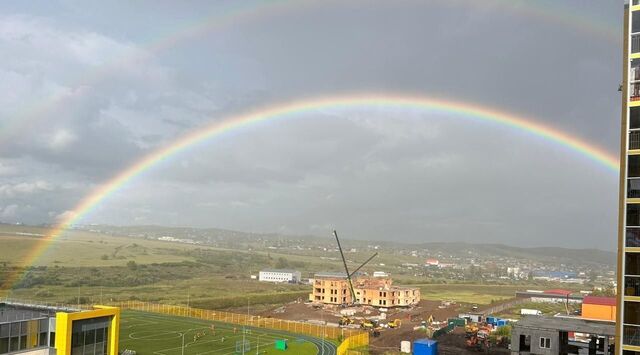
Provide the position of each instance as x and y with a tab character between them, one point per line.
628	328
330	291
535	335
275	276
64	326
597	311
374	292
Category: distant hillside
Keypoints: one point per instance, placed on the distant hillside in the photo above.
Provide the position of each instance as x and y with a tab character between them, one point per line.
551	254
234	239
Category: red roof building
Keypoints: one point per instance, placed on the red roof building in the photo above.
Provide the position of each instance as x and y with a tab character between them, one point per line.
558	291
599	300
595	307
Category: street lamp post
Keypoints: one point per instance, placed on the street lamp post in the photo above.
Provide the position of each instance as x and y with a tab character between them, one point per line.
258	344
183	334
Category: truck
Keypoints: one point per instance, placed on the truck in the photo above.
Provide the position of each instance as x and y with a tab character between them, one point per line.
533	312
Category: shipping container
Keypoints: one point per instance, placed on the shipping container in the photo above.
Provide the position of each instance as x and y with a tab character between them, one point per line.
425	347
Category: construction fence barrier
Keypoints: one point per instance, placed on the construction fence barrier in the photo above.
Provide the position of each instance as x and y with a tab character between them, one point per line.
352	344
352	338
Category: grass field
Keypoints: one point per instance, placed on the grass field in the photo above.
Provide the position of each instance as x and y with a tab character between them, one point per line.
156	334
470	293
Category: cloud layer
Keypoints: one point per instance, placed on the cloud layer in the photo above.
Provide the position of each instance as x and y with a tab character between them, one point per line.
87	95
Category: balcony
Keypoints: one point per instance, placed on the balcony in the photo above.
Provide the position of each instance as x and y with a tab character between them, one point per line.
633	238
635	43
632	313
631	335
633	215
633	188
632	286
632	264
634	140
634	91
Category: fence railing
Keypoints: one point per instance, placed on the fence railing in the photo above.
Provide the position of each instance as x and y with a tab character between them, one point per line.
635	43
352	343
631	335
55	306
355	337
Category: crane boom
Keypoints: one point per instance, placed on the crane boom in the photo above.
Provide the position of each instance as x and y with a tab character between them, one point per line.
346	268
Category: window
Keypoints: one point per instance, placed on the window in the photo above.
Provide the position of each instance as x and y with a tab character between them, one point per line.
545	343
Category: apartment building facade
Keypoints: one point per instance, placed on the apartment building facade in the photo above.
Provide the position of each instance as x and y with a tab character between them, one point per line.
628	301
376	292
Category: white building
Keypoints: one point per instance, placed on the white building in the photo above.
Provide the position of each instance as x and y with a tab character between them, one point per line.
277	275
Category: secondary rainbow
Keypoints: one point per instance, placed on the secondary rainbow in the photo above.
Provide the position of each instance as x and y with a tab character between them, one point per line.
296	109
31	115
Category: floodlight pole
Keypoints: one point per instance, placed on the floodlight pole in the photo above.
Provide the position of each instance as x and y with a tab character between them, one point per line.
183	343
258	345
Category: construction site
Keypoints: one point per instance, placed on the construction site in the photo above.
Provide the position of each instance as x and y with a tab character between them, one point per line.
394	316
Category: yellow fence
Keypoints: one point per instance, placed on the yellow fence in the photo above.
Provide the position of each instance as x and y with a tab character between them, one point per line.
352	343
353	338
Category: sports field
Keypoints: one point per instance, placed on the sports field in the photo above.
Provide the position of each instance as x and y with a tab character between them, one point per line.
158	334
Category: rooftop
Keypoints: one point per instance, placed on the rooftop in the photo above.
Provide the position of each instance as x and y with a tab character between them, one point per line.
12	311
598	300
291	271
570	324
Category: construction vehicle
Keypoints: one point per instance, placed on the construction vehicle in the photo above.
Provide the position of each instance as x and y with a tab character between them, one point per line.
369	324
477	336
345	321
478	341
395	323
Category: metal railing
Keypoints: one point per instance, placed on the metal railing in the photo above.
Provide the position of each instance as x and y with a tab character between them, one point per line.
631	286
633	187
50	306
635	43
634	92
634	140
631	335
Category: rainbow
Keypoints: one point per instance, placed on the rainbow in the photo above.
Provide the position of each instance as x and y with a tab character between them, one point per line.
239	12
295	109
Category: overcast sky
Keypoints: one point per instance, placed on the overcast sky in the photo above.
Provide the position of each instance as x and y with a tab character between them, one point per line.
90	88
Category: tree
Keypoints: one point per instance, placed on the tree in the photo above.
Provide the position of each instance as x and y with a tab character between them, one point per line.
132	265
282	263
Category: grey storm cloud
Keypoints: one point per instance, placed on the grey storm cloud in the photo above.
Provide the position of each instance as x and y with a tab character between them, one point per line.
375	173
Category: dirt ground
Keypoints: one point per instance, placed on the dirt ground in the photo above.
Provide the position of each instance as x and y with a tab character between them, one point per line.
389	339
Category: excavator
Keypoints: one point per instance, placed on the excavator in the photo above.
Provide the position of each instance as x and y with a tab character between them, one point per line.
477	337
345	321
369	324
395	323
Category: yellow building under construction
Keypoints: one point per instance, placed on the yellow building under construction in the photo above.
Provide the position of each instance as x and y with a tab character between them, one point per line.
30	329
333	288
